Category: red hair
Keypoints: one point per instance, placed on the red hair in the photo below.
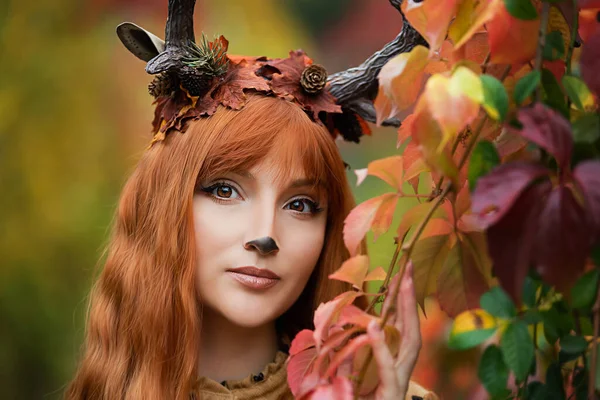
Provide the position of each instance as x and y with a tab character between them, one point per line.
143	327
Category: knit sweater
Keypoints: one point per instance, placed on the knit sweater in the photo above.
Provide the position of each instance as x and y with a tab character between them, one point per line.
271	384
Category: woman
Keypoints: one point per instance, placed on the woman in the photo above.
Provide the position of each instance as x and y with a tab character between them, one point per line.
222	244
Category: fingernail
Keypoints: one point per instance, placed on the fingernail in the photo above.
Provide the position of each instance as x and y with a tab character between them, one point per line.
374	326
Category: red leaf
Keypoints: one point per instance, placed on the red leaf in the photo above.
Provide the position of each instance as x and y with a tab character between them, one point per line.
303	340
355	316
462	280
587	175
360	219
512	40
588	24
590	63
511	238
353	271
297	367
562	239
497	191
549	130
346	352
327	313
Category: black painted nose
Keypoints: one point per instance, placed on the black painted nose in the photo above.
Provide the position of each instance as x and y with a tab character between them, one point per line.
264	245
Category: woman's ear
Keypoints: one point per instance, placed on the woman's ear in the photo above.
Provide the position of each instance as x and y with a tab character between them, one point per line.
141	43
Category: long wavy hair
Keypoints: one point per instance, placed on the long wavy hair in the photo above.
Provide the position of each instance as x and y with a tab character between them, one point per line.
144	319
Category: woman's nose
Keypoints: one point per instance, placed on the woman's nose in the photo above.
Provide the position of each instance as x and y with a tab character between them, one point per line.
265	245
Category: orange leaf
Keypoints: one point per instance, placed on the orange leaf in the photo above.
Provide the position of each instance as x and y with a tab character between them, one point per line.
353	271
360	219
415	215
378	274
383	217
428	135
327	313
470	19
388	169
400	81
430	18
512	40
404	130
436	227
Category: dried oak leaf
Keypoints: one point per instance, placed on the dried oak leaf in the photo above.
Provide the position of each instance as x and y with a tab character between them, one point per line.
285	82
240	77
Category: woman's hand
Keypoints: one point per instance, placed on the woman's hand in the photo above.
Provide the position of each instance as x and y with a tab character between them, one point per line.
394	373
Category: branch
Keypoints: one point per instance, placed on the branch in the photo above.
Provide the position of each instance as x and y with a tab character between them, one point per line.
594	361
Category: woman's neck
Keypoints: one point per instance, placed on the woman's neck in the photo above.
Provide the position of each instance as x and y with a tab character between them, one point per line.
229	351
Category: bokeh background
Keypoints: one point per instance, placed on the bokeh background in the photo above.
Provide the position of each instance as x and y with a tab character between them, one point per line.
75	117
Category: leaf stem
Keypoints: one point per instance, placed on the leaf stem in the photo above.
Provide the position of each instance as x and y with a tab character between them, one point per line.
574	30
594	361
541	42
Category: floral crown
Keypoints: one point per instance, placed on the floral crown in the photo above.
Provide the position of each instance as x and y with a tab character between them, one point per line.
193	79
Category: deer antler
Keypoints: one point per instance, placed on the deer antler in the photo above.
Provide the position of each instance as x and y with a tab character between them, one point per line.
179	34
356	87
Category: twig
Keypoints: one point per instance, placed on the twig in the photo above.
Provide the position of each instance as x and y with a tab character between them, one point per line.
594	361
541	42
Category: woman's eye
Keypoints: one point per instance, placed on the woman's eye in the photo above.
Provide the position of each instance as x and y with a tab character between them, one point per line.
303	206
223	191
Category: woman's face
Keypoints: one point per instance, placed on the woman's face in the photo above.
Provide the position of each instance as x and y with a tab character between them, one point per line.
237	208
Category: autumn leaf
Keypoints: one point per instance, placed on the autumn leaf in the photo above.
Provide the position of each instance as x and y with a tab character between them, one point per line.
404	130
363	216
428	257
400	82
354	270
512	40
462	280
389	170
327	313
430	18
587	175
464	91
590	63
428	136
549	130
470	19
297	368
496	192
302	341
415	215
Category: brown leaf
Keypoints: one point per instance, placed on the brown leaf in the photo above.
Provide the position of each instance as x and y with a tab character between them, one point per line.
285	81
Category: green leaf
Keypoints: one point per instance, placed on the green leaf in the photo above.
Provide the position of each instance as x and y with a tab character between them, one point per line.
583	293
577	91
467	340
493	372
483	159
586	129
553	94
573	344
530	287
495	99
517	349
497	303
526	86
532	316
554	48
521	9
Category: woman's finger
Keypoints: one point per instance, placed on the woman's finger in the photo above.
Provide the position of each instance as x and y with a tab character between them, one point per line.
385	362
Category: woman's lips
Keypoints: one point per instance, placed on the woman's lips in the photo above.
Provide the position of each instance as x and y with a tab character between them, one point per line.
254	278
253	282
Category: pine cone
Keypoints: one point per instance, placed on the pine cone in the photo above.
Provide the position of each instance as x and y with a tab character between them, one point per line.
161	85
195	82
313	78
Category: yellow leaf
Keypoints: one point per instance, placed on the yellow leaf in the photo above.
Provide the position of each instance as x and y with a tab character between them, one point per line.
471	320
470	19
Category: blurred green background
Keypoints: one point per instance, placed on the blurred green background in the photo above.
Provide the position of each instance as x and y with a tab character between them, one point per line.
75	117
